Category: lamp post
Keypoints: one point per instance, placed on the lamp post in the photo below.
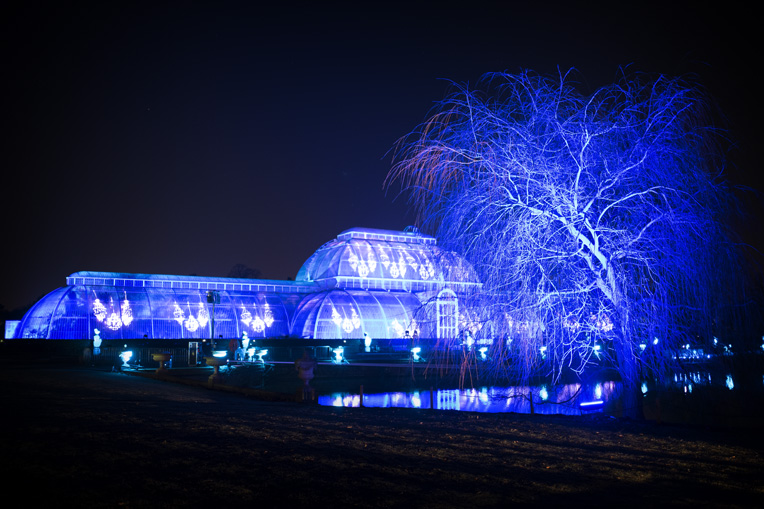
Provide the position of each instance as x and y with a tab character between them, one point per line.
213	298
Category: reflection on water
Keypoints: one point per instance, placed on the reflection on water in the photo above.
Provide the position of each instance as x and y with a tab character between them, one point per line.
571	399
564	399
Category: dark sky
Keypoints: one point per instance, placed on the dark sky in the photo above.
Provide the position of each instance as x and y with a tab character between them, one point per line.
186	138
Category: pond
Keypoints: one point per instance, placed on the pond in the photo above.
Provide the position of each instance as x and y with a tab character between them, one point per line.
568	399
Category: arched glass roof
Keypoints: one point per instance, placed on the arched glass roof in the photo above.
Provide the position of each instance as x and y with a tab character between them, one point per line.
126	312
348	314
382	259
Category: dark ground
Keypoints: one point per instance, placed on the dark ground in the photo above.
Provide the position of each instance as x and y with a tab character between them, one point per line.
74	436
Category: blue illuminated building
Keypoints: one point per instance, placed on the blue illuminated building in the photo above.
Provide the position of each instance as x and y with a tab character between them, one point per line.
382	283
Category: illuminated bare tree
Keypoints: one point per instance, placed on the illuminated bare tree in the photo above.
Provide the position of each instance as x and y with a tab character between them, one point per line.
596	222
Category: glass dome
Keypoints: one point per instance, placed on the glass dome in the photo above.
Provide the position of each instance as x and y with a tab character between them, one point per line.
370	258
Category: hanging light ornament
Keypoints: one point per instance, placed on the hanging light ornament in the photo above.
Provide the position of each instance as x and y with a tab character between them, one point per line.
178	314
246	316
363	269
353	261
372	260
402	265
336	318
412	262
113	321
398	328
355	319
203	315
384	258
268	315
258	325
191	324
127	312
347	325
394	270
99	310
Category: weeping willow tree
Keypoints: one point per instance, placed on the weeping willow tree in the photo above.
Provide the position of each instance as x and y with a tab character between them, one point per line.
597	223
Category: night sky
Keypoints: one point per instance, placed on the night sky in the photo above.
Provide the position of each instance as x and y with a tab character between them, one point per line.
187	138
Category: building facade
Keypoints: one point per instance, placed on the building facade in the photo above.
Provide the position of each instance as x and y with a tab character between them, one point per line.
379	283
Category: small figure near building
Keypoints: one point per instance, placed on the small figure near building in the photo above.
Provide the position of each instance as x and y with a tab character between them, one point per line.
304	367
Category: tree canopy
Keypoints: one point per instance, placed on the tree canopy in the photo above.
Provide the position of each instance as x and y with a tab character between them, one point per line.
597	222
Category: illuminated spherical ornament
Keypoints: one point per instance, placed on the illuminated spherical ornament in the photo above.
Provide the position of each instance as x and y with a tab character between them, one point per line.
336	318
191	324
347	325
99	310
268	315
203	315
178	315
246	316
127	312
355	319
258	325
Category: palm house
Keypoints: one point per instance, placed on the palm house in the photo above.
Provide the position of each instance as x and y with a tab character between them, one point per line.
366	282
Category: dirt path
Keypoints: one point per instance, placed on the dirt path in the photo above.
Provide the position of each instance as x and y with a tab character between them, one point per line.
96	439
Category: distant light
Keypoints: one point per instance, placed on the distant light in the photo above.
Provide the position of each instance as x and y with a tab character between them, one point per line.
415	353
219	353
655	341
543	393
730	383
644	388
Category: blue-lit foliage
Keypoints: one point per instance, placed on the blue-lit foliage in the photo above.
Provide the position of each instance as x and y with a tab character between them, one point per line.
595	222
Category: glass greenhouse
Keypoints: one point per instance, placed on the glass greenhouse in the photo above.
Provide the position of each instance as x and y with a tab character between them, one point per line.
376	282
